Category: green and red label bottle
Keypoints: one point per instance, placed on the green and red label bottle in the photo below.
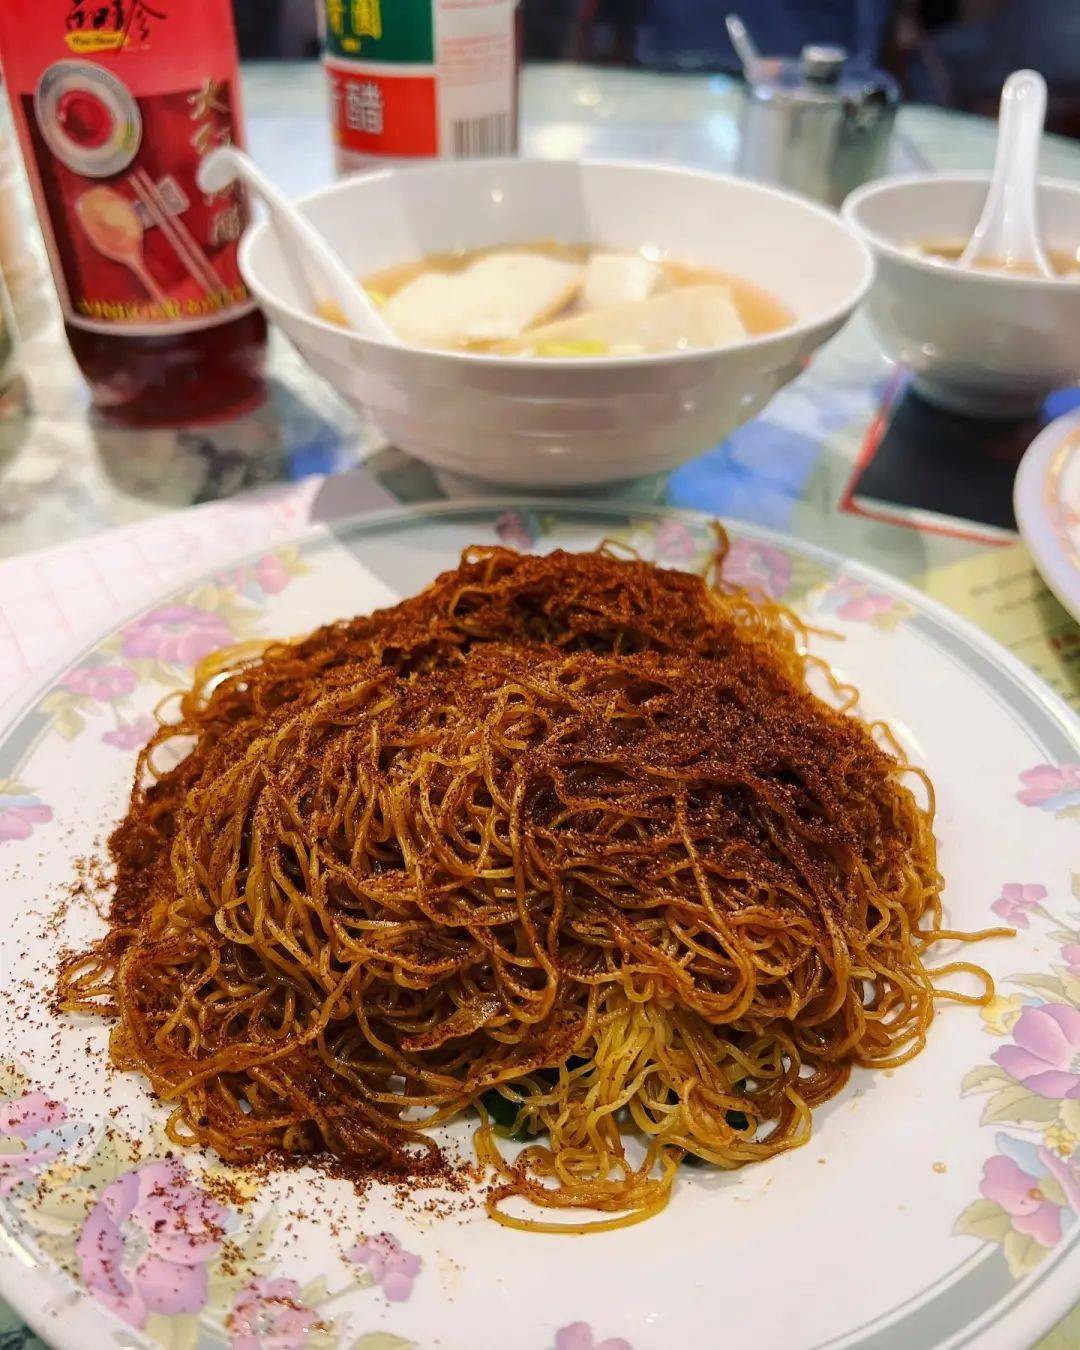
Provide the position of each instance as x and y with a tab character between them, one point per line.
115	103
415	79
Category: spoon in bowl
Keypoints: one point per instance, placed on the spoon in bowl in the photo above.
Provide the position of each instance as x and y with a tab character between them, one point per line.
745	48
317	266
1007	235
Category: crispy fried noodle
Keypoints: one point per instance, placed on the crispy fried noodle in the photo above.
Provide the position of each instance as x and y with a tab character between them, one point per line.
566	841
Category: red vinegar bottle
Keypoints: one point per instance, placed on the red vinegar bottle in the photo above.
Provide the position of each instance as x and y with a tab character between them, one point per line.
115	103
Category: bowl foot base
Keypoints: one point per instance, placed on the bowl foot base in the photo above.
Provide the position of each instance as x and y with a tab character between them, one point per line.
648	489
972	401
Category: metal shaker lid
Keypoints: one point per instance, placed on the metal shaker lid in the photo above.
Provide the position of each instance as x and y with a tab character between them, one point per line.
822	76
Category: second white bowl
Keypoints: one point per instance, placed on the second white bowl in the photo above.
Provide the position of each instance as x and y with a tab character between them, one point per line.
538	423
982	343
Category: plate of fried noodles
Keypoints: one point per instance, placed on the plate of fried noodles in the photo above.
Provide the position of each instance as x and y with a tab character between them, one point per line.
547	928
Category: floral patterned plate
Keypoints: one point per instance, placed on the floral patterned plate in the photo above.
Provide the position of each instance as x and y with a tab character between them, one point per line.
1047	502
936	1205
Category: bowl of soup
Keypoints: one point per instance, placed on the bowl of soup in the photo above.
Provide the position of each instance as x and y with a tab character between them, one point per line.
991	341
566	324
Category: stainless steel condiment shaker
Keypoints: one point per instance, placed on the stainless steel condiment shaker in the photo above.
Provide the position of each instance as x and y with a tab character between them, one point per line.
816	125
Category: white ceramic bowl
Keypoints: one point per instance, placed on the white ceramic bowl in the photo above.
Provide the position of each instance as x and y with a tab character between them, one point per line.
546	423
978	342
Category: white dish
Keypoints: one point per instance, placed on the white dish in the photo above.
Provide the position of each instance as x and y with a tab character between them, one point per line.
980	343
552	423
933	1207
1046	498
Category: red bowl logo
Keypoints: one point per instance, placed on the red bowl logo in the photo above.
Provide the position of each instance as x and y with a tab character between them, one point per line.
89	118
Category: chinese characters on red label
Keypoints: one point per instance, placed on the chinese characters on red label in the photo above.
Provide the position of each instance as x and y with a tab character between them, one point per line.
116	103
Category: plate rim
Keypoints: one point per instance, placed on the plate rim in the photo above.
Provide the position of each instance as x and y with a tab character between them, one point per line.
1018	1318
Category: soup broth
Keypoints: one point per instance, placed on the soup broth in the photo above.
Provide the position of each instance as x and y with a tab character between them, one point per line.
543	298
1063	262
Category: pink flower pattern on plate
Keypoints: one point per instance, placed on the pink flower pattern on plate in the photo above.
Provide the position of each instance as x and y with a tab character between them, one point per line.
268	575
388	1263
1018	1194
25	1118
179	635
1071	956
19	815
1046	1053
131	735
760	569
517	529
101	683
855	601
674	542
579	1336
1016	900
271	574
145	1245
270	1315
1050	787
